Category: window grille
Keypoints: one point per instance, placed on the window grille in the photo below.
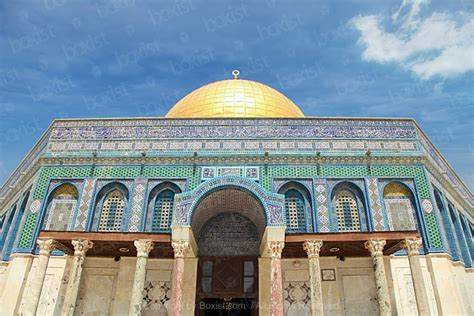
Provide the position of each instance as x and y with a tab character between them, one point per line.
163	211
112	212
295	211
347	211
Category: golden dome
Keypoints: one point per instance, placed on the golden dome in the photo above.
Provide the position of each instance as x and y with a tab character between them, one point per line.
234	98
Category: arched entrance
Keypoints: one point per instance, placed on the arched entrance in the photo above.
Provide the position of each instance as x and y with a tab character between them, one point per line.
228	223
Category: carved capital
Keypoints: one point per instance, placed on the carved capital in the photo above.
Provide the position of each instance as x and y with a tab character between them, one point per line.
46	246
276	248
81	246
412	246
180	248
312	247
375	246
144	246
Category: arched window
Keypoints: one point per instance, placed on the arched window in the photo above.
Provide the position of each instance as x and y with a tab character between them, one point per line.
295	211
60	208
467	235
348	204
7	226
161	206
449	230
347	211
399	205
297	207
14	225
459	236
112	211
162	211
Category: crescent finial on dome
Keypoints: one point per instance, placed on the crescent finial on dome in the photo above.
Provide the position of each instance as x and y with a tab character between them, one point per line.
236	73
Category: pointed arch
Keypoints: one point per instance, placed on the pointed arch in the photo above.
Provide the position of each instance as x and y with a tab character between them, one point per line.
160	207
9	216
14	225
348	203
62	202
297	206
400	206
110	208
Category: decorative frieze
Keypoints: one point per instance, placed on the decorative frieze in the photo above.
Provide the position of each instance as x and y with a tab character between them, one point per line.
224	131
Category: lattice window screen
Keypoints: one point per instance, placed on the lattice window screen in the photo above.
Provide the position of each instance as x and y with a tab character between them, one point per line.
163	211
112	212
295	211
292	207
347	211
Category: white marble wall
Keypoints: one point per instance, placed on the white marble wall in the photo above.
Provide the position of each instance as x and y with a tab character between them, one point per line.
352	291
404	293
106	286
3	275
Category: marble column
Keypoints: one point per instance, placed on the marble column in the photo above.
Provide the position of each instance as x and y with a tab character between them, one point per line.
180	249
80	248
144	247
312	248
276	292
412	246
375	246
45	247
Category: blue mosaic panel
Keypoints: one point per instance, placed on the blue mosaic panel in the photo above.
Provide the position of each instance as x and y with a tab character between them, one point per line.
272	203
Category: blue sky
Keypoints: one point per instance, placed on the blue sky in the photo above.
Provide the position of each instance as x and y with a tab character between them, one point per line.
404	58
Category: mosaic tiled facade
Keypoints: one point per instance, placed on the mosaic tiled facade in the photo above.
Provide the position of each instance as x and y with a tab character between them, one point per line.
318	153
137	205
322	205
374	200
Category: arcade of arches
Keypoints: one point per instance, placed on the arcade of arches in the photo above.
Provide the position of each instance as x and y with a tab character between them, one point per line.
235	260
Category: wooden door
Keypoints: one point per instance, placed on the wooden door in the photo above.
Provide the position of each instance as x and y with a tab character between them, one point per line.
227	286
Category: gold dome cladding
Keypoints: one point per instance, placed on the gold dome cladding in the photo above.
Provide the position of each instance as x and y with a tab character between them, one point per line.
234	98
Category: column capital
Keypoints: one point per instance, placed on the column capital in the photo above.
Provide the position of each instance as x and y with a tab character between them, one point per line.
412	246
46	246
276	248
375	246
312	247
180	247
81	246
144	246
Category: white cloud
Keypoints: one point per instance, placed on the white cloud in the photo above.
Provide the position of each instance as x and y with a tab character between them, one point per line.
410	19
439	45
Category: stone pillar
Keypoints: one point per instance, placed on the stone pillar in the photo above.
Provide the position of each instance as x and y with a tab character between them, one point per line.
412	246
375	246
180	248
143	249
312	248
276	298
80	249
45	247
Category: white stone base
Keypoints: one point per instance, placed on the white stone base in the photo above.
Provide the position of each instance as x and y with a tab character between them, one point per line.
106	286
